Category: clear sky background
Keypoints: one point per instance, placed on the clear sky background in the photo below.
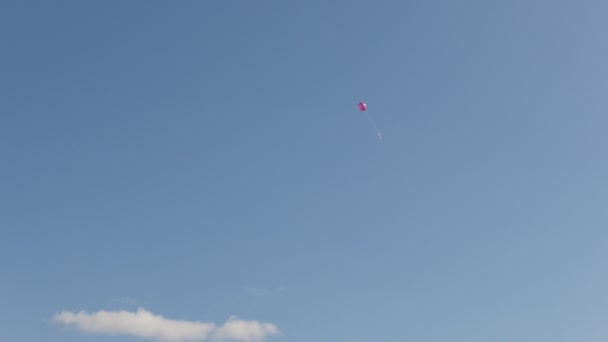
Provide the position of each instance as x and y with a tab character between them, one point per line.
203	159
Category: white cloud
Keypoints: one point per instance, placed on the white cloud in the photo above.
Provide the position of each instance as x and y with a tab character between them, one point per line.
145	324
247	331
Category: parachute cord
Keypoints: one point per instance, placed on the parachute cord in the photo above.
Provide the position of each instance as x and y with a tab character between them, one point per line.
374	125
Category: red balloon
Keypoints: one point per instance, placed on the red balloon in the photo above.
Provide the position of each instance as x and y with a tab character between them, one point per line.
362	106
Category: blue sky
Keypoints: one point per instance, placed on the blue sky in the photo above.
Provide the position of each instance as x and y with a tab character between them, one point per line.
205	159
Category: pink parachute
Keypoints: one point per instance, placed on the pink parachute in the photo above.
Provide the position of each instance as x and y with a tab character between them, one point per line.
363	107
